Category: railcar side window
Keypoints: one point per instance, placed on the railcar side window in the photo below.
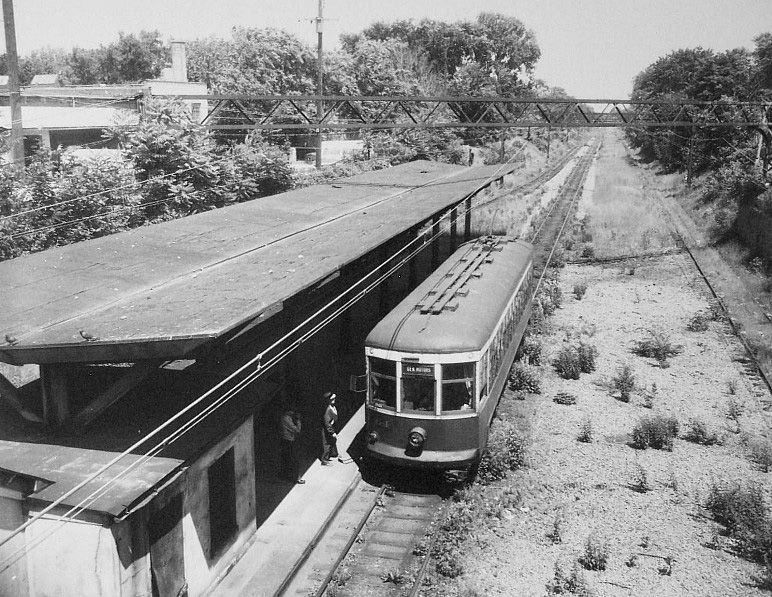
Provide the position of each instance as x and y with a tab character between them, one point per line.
457	387
383	383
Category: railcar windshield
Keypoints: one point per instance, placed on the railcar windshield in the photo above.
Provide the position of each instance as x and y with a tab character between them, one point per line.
418	388
383	383
457	387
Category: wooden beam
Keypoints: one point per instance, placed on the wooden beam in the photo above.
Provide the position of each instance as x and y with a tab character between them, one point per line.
131	379
453	228
435	242
10	394
467	218
56	395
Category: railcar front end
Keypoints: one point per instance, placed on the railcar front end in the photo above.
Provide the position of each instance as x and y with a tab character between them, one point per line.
432	420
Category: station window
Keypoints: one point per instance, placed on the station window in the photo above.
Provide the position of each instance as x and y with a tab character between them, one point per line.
383	383
457	387
418	393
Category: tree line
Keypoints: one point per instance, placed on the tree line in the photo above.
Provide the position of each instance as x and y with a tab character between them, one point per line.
734	161
173	167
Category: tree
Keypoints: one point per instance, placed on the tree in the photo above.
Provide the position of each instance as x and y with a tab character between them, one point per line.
176	161
254	61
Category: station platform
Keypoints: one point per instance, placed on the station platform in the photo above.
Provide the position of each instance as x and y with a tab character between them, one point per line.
284	540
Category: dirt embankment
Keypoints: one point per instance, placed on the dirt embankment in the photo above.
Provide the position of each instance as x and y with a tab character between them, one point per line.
645	507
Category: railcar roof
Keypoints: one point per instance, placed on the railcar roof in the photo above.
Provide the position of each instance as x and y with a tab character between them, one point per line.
162	290
466	325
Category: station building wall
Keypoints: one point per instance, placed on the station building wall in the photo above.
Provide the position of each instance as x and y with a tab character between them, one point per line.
97	556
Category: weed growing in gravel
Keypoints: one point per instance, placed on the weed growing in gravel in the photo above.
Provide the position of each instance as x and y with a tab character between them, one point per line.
596	553
585	431
558	528
699	322
472	508
580	289
655	431
529	351
572	360
565	398
632	561
393	576
658	346
505	451
760	453
564	583
731	387
649	396
550	297
624	382
588	252
640	481
697	432
587	355
524	377
566	363
741	509
734	411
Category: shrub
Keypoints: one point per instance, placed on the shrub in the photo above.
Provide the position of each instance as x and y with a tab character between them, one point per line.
565	398
640	480
585	431
505	452
558	524
655	431
587	354
567	364
698	433
588	252
580	289
524	377
596	553
551	297
649	396
624	382
568	584
530	351
760	453
657	346
743	512
699	322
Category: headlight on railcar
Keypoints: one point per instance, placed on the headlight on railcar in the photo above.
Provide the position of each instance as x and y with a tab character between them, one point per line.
416	438
372	437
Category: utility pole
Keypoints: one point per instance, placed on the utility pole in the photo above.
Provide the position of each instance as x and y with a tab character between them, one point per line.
319	83
14	90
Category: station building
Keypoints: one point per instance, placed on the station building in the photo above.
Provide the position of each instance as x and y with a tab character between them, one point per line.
108	339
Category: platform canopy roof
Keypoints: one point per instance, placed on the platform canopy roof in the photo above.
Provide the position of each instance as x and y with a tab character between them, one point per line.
160	291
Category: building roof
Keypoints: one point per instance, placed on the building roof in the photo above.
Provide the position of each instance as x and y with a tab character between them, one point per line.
159	291
64	467
45	79
56	117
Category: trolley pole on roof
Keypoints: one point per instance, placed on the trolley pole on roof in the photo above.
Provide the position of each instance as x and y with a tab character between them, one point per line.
14	89
319	83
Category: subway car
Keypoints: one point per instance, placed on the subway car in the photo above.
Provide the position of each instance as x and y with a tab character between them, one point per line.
438	362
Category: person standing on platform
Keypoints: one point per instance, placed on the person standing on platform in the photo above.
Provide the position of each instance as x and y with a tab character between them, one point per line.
329	435
288	463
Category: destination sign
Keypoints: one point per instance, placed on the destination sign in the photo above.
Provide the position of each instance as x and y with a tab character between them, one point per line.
418	369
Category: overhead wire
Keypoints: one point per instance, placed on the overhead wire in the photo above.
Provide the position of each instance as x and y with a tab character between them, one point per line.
240	385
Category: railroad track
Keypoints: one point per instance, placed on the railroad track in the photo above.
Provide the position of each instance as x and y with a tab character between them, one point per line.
386	551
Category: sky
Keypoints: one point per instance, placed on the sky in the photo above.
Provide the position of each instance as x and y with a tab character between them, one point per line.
591	48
